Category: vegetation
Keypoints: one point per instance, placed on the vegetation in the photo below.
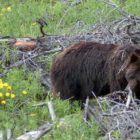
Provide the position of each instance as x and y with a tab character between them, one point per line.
19	87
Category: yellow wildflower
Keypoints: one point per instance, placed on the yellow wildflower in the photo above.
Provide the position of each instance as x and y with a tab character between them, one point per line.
1	94
7	94
9	88
3	102
24	92
12	95
1	85
9	9
5	84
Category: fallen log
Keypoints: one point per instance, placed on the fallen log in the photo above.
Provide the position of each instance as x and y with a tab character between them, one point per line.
23	44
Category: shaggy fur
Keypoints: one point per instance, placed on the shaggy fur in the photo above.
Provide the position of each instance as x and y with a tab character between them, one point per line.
101	68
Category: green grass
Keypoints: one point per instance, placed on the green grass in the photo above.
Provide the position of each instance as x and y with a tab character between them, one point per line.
18	18
73	128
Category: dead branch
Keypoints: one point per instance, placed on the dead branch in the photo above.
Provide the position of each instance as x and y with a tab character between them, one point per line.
25	45
129	98
51	110
122	31
40	104
37	134
42	22
116	116
17	64
86	110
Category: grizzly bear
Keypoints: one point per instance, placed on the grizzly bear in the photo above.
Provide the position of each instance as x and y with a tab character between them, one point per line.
102	68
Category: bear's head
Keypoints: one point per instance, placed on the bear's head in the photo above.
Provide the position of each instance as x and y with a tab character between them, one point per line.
132	73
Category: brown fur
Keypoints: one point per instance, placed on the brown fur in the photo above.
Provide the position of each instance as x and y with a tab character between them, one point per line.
101	68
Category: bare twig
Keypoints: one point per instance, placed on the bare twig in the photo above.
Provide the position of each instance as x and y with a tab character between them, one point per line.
40	104
34	56
42	22
1	135
129	98
97	100
86	109
51	110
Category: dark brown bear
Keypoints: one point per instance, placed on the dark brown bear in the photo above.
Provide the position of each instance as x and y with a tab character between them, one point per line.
101	68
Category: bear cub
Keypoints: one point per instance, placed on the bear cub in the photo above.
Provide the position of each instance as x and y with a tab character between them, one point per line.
102	68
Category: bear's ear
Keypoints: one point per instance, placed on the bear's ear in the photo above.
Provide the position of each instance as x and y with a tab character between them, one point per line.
134	57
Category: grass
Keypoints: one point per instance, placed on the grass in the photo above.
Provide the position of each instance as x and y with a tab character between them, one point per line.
69	130
18	18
